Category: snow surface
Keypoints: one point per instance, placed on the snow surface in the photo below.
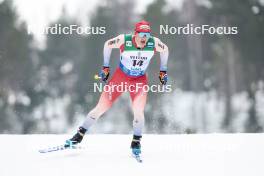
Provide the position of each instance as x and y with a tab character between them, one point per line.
107	155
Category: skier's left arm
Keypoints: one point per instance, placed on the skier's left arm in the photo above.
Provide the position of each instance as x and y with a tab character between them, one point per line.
164	54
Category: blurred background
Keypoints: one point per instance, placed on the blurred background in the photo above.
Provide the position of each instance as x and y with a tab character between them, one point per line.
218	80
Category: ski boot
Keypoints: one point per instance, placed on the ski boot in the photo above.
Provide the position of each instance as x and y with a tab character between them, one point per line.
136	147
76	139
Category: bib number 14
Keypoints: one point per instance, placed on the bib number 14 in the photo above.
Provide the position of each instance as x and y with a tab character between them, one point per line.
139	63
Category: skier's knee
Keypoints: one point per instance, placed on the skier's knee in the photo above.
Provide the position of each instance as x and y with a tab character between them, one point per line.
95	113
138	115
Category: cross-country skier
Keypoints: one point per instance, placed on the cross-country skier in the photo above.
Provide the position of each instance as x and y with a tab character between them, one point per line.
136	51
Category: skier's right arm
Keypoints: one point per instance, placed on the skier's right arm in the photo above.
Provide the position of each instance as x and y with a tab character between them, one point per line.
108	46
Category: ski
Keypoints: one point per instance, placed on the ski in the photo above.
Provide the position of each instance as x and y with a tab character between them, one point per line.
138	158
52	149
66	146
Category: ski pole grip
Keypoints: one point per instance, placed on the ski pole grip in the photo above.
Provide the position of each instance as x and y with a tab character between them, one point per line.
96	77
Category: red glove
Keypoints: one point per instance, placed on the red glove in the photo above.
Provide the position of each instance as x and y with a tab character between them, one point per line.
104	74
163	77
